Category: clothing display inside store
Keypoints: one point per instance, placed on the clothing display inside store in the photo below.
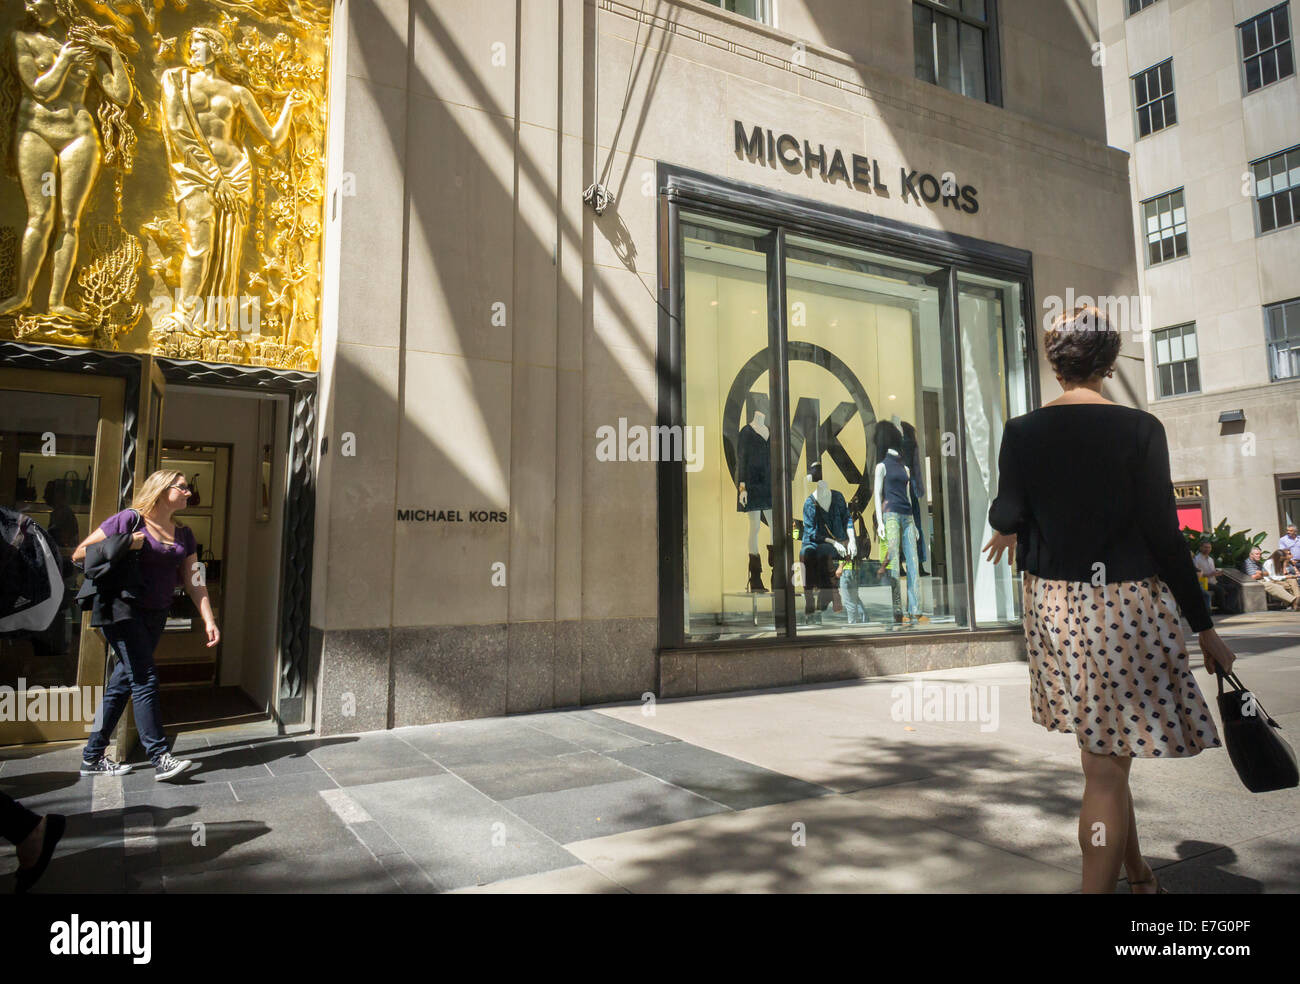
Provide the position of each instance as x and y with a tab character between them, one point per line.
866	366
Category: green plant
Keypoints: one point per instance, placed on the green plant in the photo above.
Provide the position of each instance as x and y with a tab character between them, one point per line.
1227	548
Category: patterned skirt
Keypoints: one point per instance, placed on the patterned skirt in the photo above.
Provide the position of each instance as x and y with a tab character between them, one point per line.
1108	664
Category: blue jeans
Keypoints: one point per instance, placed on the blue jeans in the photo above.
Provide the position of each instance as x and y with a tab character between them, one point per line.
134	678
853	607
900	529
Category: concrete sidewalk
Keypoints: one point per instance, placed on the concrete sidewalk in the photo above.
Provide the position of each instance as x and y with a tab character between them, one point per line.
815	789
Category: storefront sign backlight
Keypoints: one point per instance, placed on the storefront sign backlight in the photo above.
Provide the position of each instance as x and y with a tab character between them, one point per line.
766	147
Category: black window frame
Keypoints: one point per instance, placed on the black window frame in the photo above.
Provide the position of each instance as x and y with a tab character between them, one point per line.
992	45
1167	99
1142	5
1156	364
1292	192
1286	48
1269	342
1142	220
699	193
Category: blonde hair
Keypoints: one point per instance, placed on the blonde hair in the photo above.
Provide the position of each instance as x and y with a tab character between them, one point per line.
154	488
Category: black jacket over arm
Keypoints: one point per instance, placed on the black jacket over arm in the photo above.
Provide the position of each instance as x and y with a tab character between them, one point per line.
113	580
1088	484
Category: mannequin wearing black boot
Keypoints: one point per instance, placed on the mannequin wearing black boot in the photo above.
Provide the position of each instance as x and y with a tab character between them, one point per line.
754	491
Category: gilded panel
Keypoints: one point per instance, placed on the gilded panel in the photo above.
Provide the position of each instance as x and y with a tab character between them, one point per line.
163	176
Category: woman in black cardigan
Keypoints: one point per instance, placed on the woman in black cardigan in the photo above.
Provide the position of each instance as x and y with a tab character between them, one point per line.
1086	504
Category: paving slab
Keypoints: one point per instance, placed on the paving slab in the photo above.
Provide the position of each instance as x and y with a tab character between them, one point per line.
591	811
717	777
507	780
378	757
847	846
457	835
343	870
578	880
484	742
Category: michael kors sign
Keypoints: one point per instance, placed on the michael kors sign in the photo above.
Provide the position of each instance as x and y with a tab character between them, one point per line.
772	149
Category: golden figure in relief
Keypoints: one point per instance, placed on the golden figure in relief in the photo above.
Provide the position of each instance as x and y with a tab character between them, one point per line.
212	176
57	147
170	166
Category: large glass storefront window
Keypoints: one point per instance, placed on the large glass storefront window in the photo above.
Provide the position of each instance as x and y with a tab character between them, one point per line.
868	403
995	389
725	392
851	405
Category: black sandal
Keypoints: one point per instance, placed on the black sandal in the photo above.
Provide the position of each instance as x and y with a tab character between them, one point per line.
55	825
1160	889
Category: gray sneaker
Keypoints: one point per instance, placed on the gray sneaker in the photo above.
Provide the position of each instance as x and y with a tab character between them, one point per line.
104	766
168	765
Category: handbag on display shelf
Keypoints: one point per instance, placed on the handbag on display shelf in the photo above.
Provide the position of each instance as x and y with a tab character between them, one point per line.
25	489
73	486
1259	753
211	566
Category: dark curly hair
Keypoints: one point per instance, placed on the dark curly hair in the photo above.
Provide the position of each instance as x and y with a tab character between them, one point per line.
1081	344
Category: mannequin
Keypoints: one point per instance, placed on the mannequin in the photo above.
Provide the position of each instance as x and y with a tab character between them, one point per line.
894	490
827	538
912	457
754	494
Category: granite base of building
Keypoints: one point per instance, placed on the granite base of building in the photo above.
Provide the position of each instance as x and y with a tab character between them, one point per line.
372	679
688	674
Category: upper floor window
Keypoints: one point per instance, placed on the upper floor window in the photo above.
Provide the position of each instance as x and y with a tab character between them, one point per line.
1277	190
954	43
1165	223
1283	322
1266	48
1177	369
1153	96
1135	5
759	10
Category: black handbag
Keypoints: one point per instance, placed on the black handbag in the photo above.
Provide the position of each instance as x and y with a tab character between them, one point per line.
1261	756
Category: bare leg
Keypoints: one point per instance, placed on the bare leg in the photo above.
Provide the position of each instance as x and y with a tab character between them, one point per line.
36	159
198	220
79	164
1136	868
1103	820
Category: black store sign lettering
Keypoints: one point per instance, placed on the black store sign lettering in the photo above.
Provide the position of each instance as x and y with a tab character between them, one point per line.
760	146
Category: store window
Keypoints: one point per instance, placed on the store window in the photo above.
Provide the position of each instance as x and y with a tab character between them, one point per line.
1277	190
1153	98
1288	500
954	45
1283	321
1266	54
726	391
1177	367
759	10
1165	224
995	387
850	403
868	404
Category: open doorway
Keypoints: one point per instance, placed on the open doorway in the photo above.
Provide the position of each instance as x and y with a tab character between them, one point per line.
231	445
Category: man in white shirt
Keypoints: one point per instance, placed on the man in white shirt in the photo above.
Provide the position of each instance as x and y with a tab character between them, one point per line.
1206	568
1290	543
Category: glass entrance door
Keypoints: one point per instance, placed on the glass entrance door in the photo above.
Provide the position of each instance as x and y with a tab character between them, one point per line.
60	464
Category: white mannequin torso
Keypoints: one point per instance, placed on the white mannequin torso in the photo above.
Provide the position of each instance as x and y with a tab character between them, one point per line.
759	423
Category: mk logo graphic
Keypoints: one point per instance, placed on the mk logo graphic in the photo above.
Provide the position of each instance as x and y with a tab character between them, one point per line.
811	437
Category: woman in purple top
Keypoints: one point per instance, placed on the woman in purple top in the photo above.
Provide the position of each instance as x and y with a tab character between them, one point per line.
167	558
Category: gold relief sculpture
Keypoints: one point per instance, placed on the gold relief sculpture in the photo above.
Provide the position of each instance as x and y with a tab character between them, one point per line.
218	204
